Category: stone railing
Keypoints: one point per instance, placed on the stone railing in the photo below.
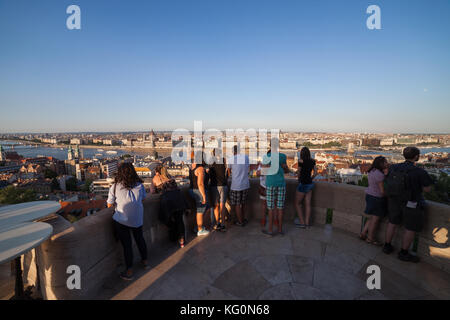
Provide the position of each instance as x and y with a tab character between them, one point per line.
90	244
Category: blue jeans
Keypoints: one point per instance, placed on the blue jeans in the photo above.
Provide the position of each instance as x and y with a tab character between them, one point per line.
197	196
305	188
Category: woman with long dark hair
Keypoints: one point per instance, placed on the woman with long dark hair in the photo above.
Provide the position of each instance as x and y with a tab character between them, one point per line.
128	193
376	205
306	166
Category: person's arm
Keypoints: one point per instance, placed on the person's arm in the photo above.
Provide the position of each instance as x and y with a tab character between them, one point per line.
143	193
111	198
426	181
381	186
284	164
200	173
314	172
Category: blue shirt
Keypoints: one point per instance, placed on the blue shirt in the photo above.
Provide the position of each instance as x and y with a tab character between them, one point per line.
277	179
129	207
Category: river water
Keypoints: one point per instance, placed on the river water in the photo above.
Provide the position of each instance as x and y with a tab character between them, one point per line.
88	153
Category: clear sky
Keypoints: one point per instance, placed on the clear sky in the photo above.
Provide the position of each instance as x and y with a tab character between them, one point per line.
291	65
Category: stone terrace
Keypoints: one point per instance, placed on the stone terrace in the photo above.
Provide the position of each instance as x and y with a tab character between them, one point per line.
323	262
243	263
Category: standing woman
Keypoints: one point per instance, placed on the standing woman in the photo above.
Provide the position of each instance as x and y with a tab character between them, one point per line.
376	205
128	193
306	165
198	184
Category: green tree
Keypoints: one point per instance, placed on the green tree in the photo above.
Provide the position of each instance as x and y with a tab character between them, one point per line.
71	184
13	195
49	174
55	184
440	190
364	182
86	186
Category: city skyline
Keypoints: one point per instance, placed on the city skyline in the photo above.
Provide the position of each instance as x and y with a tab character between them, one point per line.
296	66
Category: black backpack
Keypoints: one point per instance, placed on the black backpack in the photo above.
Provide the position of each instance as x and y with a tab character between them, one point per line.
398	184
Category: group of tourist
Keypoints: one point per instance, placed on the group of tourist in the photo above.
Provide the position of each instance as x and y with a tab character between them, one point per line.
394	191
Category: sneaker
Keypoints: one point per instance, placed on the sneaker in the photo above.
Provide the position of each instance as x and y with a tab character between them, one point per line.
270	234
408	257
245	222
202	232
388	248
222	227
301	226
216	227
146	266
125	276
238	223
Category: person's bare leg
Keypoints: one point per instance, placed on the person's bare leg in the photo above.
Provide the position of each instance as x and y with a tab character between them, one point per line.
243	207
372	226
408	238
298	205
365	229
239	213
216	212
263	213
308	197
280	220
390	231
199	221
270	220
221	213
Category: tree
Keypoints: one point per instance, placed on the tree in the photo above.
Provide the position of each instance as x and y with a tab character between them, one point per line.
71	184
364	182
55	184
86	186
49	174
13	195
440	190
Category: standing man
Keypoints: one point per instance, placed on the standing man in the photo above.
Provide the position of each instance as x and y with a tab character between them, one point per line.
238	168
404	186
275	189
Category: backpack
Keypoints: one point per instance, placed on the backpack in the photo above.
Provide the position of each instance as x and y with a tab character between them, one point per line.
398	185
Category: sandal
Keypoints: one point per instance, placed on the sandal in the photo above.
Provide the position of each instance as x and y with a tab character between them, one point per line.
373	242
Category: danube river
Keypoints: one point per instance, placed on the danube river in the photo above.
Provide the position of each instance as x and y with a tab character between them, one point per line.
88	153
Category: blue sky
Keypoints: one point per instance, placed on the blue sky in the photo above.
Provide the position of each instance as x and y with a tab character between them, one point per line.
292	65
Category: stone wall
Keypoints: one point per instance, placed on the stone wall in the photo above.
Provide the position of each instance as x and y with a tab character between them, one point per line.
90	244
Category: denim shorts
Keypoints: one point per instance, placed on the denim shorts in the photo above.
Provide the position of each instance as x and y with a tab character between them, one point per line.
305	188
375	206
197	196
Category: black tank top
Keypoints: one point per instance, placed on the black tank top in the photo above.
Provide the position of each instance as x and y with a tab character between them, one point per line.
193	179
218	175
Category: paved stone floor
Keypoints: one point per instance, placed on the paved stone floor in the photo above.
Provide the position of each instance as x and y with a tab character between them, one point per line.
243	263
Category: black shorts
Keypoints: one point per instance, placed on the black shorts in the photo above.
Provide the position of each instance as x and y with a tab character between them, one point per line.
375	206
412	218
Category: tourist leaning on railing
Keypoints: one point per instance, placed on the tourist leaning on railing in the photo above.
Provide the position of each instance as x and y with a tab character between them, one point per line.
128	193
306	167
376	205
405	184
